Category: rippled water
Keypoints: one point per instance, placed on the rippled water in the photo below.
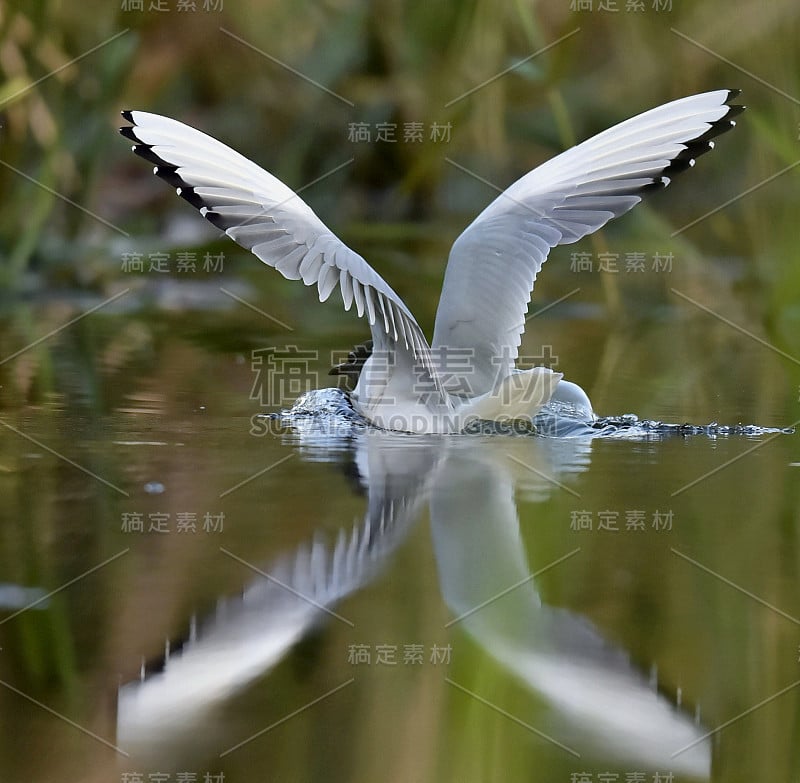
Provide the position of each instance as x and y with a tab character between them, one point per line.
329	412
194	583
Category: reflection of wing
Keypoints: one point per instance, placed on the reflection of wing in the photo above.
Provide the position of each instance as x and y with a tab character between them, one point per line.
260	213
495	261
397	471
245	637
607	703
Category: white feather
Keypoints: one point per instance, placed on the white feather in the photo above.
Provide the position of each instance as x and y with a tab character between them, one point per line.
493	264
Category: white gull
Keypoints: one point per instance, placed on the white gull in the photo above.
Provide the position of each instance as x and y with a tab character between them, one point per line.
467	372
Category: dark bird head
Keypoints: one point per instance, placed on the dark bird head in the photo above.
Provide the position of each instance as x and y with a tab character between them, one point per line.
351	369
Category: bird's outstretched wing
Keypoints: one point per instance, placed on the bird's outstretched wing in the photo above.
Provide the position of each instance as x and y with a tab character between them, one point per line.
493	264
262	214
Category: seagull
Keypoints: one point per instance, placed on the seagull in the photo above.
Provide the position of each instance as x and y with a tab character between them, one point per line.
467	373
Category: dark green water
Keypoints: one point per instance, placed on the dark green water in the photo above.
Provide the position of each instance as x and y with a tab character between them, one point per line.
473	608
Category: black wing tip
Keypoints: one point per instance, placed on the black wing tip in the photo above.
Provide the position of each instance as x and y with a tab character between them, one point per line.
734	109
129	132
187	193
169	173
146	151
216	220
127	115
658	183
679	164
703	143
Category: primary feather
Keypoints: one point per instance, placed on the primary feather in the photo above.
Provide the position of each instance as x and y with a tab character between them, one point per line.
262	214
494	263
492	266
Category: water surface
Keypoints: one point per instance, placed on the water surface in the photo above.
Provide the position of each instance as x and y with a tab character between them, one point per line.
344	604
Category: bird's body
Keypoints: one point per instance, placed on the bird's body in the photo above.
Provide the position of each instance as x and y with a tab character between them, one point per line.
468	370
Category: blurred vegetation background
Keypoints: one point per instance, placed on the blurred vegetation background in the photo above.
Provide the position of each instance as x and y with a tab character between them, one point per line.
286	83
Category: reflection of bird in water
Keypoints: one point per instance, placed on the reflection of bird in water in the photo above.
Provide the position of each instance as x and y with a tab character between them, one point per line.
601	703
226	651
468	371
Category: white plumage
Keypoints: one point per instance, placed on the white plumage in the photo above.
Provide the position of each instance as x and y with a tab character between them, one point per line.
406	385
